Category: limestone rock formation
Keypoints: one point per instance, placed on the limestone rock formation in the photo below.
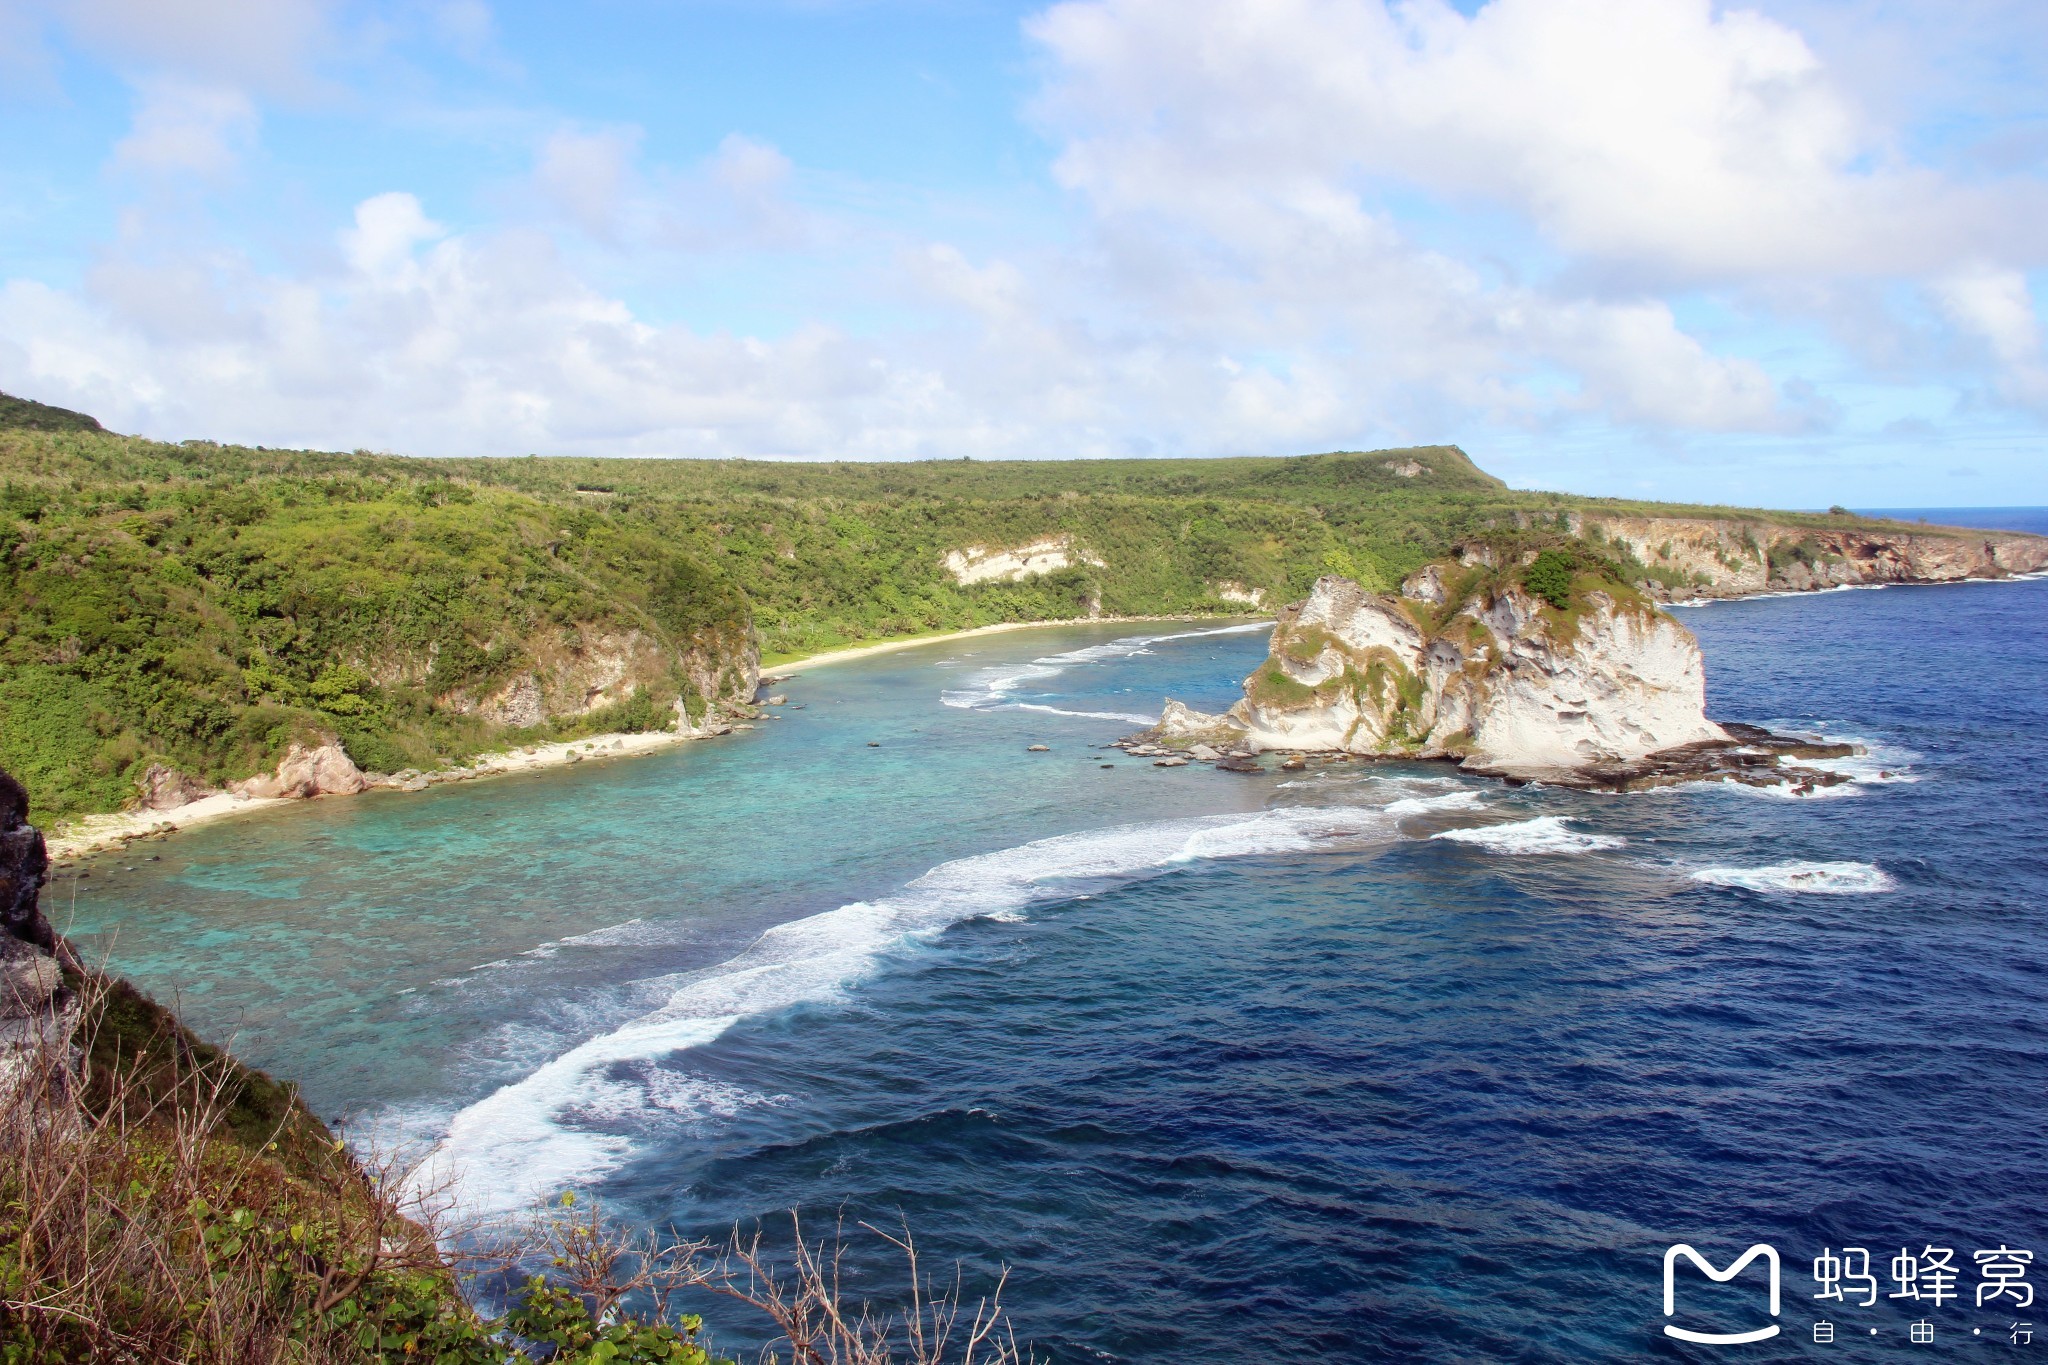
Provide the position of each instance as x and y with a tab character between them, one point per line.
324	770
1468	664
1688	557
983	564
164	788
586	669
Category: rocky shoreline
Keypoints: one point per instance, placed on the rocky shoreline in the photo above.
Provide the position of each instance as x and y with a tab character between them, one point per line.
172	802
1751	756
1691	559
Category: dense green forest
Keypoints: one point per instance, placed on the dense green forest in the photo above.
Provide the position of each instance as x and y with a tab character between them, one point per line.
202	605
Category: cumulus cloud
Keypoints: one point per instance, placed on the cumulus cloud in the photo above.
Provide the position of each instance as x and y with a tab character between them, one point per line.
1687	142
1994	307
421	340
1272	245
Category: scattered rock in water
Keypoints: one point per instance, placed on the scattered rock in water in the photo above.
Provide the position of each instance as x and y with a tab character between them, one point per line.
874	744
1204	752
1238	763
1039	749
1169	763
778	700
1294	763
1109	765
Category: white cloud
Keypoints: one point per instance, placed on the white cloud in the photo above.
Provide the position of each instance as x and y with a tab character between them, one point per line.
182	129
435	343
1683	142
388	227
1995	308
737	198
1272	246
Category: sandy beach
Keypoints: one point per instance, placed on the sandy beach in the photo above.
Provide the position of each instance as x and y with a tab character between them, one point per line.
97	833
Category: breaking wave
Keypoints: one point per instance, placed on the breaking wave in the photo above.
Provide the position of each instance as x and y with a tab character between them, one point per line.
569	1121
1820	879
1544	834
991	688
1425	805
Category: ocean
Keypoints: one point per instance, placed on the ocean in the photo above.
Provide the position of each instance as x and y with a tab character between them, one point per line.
1371	1062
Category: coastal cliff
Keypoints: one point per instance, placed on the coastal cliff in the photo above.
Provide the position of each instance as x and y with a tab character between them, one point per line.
1514	661
1684	558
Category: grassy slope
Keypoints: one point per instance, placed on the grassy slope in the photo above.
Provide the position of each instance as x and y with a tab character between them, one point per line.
205	604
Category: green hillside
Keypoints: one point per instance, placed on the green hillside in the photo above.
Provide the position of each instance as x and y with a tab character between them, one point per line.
159	607
202	605
29	415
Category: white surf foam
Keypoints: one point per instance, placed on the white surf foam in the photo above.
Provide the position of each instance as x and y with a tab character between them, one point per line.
1544	834
561	1125
991	688
1424	805
1852	587
1821	879
1880	764
1132	717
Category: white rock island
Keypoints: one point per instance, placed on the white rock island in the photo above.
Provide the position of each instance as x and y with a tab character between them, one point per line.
1534	665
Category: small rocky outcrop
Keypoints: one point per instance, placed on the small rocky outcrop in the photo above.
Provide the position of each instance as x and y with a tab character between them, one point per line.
1524	664
24	867
323	770
37	1011
165	788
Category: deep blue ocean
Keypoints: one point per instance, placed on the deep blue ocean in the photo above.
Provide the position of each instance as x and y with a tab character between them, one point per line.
1372	1062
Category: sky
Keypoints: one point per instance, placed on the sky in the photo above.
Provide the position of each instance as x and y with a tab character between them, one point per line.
1786	254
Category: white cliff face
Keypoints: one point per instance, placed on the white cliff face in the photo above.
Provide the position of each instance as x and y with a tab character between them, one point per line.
1500	682
980	564
1710	557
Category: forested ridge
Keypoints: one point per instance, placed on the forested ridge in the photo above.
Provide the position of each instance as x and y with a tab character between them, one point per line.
203	605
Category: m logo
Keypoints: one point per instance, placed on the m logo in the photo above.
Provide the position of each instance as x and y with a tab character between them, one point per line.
1770	1255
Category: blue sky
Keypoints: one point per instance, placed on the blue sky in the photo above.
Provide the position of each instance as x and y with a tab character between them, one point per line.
1785	254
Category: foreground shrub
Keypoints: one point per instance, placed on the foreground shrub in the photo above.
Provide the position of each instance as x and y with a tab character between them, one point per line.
161	1203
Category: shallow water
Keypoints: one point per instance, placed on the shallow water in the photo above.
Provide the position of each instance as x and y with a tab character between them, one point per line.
1222	1067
